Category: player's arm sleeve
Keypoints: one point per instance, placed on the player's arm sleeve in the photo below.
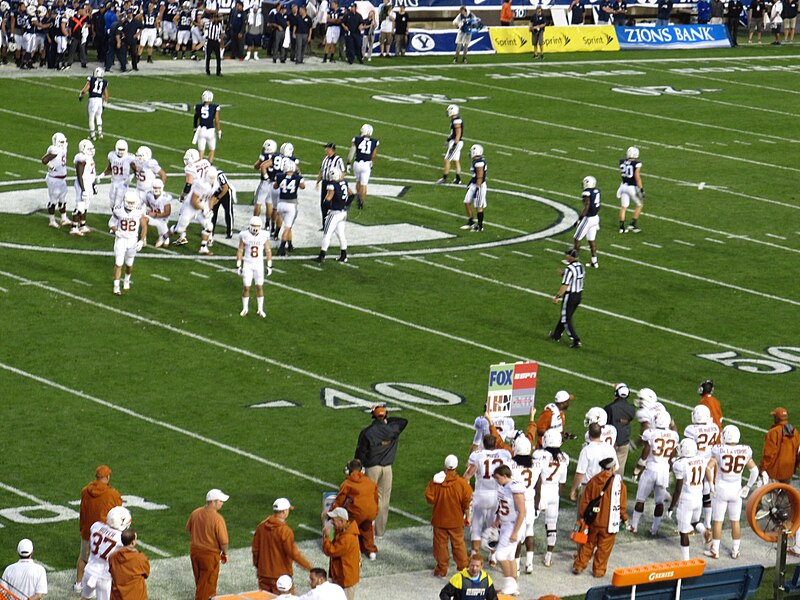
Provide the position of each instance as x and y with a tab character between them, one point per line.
362	448
398	424
255	548
430	494
543	424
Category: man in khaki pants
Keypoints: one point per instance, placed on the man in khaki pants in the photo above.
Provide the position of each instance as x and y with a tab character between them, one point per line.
376	449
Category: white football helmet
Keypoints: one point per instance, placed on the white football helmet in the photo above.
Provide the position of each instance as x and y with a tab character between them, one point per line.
68	13
211	177
366	130
158	187
131	201
187	5
86	147
143	154
289	166
522	446
476	150
4	6
701	415
731	434
121	147
662	420
41	11
595	415
646	398
633	152
31	10
687	448
452	110
190	156
119	518
59	140
287	149
255	225
335	174
551	439
589	182
270	146
99	72
207	97
489	538
12	47
621	390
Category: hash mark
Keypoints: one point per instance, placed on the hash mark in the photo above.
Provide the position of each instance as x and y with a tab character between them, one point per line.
502	153
196	274
420	156
652	245
742	143
347	264
161	277
585	149
558	151
78	281
767	141
684	243
451	257
384	262
620	247
277	270
693	145
12	174
4	290
777	237
316	268
518	252
487	255
708	239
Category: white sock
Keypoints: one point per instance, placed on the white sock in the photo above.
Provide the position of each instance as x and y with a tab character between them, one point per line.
529	557
700	528
656	523
707	516
518	559
116	284
260	301
245	303
715	546
127	278
684	552
635	519
736	544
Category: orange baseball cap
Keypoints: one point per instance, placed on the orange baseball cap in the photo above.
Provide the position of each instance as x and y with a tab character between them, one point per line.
103	471
379	412
780	413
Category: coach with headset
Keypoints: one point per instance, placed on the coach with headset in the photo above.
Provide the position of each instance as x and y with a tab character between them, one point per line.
376	449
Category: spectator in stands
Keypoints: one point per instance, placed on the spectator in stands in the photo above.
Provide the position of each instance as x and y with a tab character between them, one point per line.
302	34
664	8
604	12
450	496
26	577
321	588
537	25
506	14
340	543
755	20
274	549
253	30
576	12
401	31
359	494
368	35
620	13
129	570
717	12
621	414
352	24
385	28
472	583
789	19
291	30
703	12
735	8
237	23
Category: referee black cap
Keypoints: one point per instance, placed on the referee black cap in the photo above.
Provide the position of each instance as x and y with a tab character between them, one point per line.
330	145
573	252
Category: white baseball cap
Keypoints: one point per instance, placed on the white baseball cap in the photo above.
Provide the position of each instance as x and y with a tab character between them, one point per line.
284	583
216	494
563	396
451	462
282	504
340	513
25	548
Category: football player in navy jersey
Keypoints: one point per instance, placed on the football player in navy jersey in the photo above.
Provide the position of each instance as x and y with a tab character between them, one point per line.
169	26
333	31
589	220
338	198
288	183
363	150
264	192
455	142
631	188
150	24
206	121
476	192
97	87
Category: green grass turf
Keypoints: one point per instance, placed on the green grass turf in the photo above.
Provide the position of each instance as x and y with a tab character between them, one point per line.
436	321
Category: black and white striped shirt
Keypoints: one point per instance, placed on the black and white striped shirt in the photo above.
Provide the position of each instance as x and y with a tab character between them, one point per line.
214	31
328	163
573	277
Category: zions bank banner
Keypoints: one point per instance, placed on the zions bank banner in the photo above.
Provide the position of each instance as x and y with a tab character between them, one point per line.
517	40
673	36
424	41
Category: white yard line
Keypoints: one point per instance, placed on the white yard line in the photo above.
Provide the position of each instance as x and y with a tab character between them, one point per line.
767	141
585	149
558	151
349	265
12	174
384	262
153	549
452	257
684	243
313	267
161	277
777	237
651	244
4	290
503	153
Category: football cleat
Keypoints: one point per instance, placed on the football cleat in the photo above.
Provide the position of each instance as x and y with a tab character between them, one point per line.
477	227
632	529
85	229
711	554
634	228
373	556
262	314
243	313
529	568
204	250
54	225
77	587
548	559
467	226
457	180
75	231
126	285
575	344
181	241
593	265
623	230
735	554
65	222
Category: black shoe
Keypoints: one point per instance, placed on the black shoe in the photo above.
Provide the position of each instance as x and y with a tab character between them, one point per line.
282	252
360	204
457	180
318	259
553	337
575	344
342	257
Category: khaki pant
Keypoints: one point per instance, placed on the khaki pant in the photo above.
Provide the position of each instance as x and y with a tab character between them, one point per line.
205	567
350	592
455	535
603	542
382	476
622	457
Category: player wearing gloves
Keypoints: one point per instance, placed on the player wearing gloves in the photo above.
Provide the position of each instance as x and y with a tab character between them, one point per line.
56	160
687	497
129	226
727	493
553	464
253	245
705	434
196	207
206	121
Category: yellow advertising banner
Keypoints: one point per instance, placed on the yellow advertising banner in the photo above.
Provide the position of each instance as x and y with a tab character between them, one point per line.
584	38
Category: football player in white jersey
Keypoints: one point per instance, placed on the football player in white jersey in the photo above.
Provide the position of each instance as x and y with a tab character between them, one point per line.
158	204
195	208
253	246
600	416
630	188
85	176
194	168
592	454
510	517
652	470
481	464
56	160
120	166
648	407
505	426
553	464
526	471
104	539
129	226
705	434
727	493
147	171
687	497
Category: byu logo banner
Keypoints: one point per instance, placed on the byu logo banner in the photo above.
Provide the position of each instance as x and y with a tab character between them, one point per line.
422	41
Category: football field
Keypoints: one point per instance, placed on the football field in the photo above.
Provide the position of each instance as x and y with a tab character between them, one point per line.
175	391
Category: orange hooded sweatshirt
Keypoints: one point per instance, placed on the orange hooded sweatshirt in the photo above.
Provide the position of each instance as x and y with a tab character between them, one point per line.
97	499
450	500
274	549
345	555
359	496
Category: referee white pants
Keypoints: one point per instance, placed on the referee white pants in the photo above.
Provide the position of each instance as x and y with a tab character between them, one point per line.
334	223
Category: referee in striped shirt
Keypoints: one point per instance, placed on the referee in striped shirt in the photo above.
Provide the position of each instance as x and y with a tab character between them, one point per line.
331	160
214	42
571	290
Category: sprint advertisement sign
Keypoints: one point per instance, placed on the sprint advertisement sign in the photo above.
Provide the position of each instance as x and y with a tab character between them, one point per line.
512	389
517	40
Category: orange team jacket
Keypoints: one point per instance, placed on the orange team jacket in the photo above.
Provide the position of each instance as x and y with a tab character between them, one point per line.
715	408
780	458
450	500
593	490
207	530
274	550
506	15
345	555
97	499
546	419
129	568
359	495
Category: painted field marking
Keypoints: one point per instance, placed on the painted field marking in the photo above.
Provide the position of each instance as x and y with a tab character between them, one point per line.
451	257
31	282
520	253
651	244
742	143
708	239
277	270
590	150
20	156
767	141
719	143
614	148
4	290
618	246
487	255
558	150
348	265
161	277
384	262
377	248
317	530
684	243
84	283
504	153
777	237
12	174
420	156
153	549
693	145
196	274
314	267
